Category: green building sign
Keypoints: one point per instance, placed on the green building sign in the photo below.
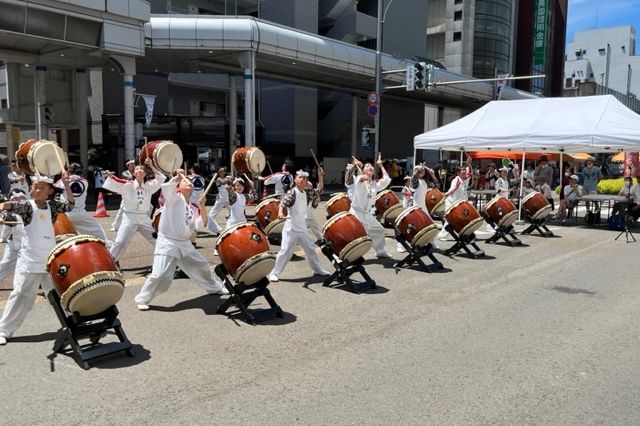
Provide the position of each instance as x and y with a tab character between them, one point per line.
540	32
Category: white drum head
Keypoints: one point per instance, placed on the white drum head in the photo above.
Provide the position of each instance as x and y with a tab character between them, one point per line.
472	226
167	157
355	249
508	219
255	268
424	236
275	227
256	160
43	158
543	212
392	212
94	293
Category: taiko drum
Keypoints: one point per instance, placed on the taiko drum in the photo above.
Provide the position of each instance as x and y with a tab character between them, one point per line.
346	236
416	227
463	218
165	155
536	205
338	203
502	211
244	251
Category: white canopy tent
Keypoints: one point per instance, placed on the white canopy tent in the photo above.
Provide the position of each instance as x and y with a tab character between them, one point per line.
581	124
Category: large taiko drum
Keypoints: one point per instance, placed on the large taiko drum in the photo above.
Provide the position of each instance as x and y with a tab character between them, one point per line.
387	205
346	236
434	201
40	157
85	275
165	156
267	216
502	211
416	227
63	228
245	253
463	218
248	160
536	205
338	203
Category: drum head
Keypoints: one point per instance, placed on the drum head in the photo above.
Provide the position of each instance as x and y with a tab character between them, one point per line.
472	226
543	212
43	158
356	249
256	160
255	268
275	226
94	293
425	236
508	219
392	212
167	157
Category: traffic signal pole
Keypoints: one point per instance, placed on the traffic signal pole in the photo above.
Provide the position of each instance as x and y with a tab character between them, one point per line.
378	89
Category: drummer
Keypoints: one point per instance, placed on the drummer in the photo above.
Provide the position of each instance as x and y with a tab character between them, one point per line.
422	177
12	249
295	229
197	181
222	199
364	195
457	192
136	195
282	180
128	175
502	184
309	217
238	201
38	239
174	247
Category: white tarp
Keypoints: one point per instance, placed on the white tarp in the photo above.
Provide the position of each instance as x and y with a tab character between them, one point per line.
580	124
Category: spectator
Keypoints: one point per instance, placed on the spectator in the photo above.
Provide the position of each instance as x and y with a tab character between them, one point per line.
591	176
543	172
572	192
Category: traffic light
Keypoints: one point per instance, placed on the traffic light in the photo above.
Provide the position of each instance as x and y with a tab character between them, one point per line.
419	70
48	113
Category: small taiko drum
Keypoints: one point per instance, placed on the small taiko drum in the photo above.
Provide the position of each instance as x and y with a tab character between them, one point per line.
536	205
502	211
346	236
267	216
248	160
165	155
40	157
245	252
63	228
340	202
387	205
85	275
416	227
463	218
434	201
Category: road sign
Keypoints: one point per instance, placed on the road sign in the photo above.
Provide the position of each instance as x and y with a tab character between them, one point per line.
373	98
367	146
372	110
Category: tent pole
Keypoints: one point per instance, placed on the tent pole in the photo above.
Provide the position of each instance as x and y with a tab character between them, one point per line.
561	174
521	188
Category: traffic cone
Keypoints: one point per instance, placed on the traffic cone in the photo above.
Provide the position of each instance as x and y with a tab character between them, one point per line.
161	200
101	210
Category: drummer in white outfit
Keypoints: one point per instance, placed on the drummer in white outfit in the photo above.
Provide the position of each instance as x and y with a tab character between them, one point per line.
364	196
502	184
238	202
350	173
136	195
12	249
420	185
17	180
457	192
309	217
81	219
128	175
295	228
222	199
282	181
38	239
174	247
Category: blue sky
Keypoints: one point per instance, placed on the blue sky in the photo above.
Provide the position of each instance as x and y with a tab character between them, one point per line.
589	14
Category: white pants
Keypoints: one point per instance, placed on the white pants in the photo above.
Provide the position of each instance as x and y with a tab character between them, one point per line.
5	231
289	240
85	224
374	229
9	258
126	232
21	299
118	220
217	208
192	263
312	224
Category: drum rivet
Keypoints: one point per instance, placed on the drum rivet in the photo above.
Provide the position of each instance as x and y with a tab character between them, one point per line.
63	270
465	212
256	237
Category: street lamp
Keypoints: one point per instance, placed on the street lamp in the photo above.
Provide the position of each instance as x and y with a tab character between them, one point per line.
376	119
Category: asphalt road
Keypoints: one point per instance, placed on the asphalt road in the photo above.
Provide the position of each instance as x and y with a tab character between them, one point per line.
541	334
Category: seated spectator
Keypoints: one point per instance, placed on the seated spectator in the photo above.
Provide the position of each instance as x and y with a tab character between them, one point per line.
572	192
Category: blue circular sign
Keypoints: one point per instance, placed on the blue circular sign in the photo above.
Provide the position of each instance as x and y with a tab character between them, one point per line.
372	110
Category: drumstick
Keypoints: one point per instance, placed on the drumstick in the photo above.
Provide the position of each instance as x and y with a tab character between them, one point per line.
213	180
60	163
146	148
8	222
314	158
249	181
270	169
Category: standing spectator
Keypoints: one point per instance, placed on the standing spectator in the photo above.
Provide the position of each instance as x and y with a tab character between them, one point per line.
591	176
490	177
99	176
543	172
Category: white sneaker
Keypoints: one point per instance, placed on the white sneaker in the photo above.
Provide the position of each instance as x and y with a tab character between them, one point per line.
3	340
322	272
383	255
401	249
215	253
142	307
221	291
273	278
443	239
112	229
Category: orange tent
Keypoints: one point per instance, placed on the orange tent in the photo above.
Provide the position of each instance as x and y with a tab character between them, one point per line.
515	155
618	158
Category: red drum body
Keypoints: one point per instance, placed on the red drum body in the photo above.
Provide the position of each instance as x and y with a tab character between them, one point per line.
387	205
248	160
536	205
416	227
339	203
244	251
464	218
63	228
40	157
166	156
346	236
502	211
85	275
267	216
434	200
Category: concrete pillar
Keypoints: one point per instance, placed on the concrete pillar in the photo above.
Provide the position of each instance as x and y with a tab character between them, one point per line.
64	139
354	125
81	82
11	144
40	98
129	131
233	113
249	108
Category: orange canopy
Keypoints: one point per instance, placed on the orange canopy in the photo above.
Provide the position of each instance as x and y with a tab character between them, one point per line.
515	155
618	158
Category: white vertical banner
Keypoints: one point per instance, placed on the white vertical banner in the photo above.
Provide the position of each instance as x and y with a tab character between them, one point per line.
500	86
149	101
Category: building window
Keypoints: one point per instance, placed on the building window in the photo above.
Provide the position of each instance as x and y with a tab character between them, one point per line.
567	82
457	15
578	82
624	50
457	1
3	104
457	36
602	52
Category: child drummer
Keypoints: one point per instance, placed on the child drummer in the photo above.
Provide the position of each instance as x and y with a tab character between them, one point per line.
38	239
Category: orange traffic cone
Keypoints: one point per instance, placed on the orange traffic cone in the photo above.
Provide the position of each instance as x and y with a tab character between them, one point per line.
161	200
101	210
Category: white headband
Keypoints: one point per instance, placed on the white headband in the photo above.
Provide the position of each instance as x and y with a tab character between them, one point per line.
302	173
41	178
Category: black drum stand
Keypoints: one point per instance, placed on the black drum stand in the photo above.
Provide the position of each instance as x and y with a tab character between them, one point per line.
537	225
628	220
241	296
415	255
507	233
462	243
344	270
92	327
